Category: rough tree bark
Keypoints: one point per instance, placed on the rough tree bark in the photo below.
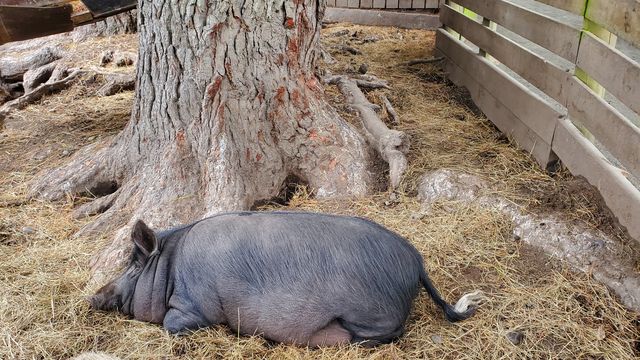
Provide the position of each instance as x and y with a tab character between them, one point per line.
227	107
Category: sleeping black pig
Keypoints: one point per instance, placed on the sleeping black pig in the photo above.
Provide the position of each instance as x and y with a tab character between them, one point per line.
298	278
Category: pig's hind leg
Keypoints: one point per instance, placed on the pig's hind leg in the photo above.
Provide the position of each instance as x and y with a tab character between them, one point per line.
373	333
331	335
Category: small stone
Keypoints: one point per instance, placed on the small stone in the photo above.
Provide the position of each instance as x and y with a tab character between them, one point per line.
106	57
363	69
417	216
437	339
91	138
124	59
66	153
515	337
370	39
28	230
340	33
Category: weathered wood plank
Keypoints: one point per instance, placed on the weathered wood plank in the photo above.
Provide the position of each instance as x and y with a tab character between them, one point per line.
342	3
366	4
533	68
100	8
418	4
405	4
549	33
379	4
42	21
331	3
582	158
615	132
621	17
432	4
574	6
527	106
354	3
406	20
502	117
392	4
616	72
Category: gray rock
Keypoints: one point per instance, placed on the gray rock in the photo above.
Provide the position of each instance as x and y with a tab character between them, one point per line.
515	337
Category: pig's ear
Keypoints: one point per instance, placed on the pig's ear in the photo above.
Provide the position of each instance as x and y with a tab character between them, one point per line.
144	239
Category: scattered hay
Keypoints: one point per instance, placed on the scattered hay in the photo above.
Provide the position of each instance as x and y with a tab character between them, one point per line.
561	314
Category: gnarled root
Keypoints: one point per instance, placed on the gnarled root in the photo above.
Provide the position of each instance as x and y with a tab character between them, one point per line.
391	144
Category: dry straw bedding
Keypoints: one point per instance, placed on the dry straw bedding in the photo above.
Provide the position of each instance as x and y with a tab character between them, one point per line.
563	315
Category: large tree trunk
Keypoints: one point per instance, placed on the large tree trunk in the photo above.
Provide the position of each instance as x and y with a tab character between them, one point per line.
124	23
227	106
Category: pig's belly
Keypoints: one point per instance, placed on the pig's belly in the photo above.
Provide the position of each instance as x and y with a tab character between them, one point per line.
292	317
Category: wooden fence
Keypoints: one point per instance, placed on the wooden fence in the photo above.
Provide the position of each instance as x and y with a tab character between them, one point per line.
384	4
421	14
562	79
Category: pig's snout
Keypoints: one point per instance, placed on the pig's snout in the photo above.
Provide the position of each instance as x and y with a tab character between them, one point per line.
105	299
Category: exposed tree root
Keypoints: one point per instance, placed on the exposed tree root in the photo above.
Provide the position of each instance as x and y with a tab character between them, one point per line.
117	83
12	69
38	93
363	81
348	49
34	77
391	144
393	115
423	61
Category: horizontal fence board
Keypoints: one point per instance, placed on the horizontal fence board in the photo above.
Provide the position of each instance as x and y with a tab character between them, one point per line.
621	17
495	93
612	69
406	20
502	117
582	158
526	105
533	68
615	132
549	33
574	6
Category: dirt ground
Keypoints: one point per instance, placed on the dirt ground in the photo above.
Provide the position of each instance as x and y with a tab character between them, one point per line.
560	314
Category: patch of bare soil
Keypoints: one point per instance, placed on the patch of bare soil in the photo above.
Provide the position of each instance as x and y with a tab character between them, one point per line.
559	313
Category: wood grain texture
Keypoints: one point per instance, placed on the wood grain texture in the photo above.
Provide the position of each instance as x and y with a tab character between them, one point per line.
574	6
615	132
621	17
582	158
521	101
549	33
532	67
616	72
